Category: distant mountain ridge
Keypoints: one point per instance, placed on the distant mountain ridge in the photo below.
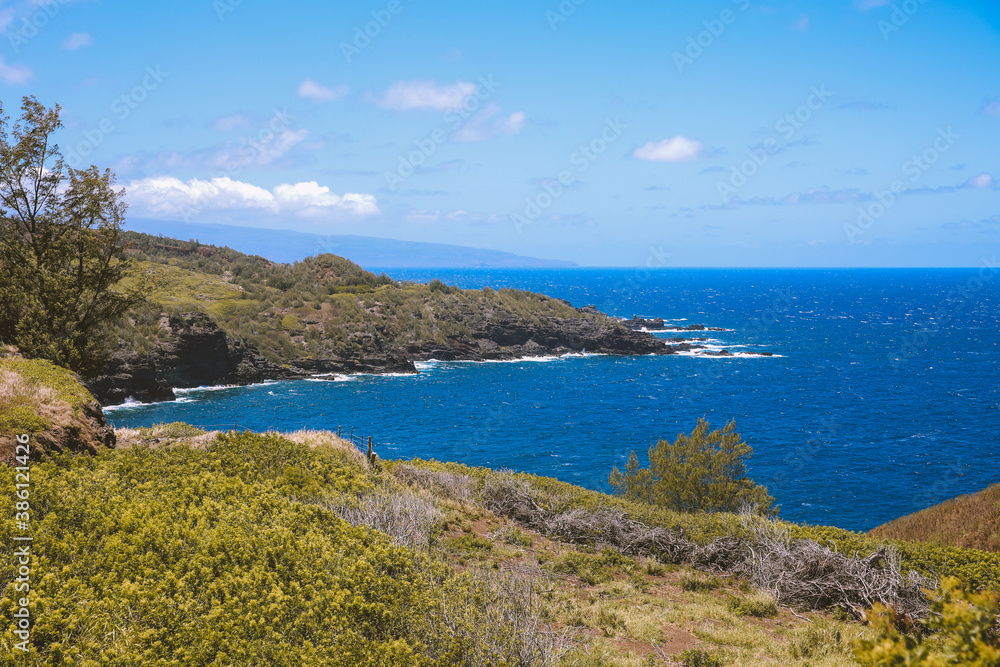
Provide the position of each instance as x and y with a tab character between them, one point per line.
289	246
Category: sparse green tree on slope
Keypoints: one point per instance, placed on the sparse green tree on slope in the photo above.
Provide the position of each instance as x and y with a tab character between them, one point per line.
63	278
704	471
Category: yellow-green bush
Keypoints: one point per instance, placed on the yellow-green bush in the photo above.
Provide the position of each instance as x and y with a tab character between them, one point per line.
965	627
190	557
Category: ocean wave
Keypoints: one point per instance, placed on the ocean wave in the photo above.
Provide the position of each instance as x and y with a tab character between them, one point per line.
129	403
703	354
191	390
331	377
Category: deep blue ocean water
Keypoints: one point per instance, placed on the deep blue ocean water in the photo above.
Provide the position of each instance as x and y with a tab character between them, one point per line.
882	398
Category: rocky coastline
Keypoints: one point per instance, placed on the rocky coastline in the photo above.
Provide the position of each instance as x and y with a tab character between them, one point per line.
200	353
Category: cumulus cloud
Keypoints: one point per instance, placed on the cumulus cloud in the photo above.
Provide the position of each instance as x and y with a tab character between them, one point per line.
14	74
420	94
316	92
489	123
171	197
77	40
675	149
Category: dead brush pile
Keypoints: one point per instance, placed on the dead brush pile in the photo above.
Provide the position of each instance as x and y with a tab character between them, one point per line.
800	574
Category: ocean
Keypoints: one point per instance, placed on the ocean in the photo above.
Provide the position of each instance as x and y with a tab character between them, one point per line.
882	396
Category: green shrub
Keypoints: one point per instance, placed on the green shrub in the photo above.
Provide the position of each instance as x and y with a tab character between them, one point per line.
471	543
172	430
699	583
816	640
20	419
966	624
696	657
610	623
592	569
704	471
759	605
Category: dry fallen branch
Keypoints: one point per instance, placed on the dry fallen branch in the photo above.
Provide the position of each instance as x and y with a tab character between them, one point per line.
452	485
406	518
800	573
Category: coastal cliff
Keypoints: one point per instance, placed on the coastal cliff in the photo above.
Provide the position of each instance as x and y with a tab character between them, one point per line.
195	351
221	317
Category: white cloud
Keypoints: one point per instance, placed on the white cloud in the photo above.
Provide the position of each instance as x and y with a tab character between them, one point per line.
232	122
271	151
423	217
991	107
405	95
316	92
14	74
488	124
77	40
980	182
675	149
865	5
169	196
801	25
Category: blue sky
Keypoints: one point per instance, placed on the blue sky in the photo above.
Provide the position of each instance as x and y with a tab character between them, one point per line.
731	132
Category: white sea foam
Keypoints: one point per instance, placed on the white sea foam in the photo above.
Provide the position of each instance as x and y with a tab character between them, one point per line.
129	403
703	354
191	390
331	377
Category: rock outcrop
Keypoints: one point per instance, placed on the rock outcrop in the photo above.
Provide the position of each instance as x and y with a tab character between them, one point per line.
195	352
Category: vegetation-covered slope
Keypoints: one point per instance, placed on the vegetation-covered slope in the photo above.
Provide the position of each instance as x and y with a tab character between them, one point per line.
322	315
46	401
325	306
971	521
187	548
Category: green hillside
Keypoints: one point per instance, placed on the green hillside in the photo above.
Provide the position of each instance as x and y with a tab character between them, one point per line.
325	307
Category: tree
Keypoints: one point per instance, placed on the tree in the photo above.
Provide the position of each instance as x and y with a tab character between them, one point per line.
63	278
704	471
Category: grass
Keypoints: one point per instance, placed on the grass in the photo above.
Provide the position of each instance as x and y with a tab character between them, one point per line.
971	521
614	610
36	394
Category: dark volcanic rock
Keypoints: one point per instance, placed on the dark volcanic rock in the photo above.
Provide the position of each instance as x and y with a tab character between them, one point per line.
198	353
514	338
